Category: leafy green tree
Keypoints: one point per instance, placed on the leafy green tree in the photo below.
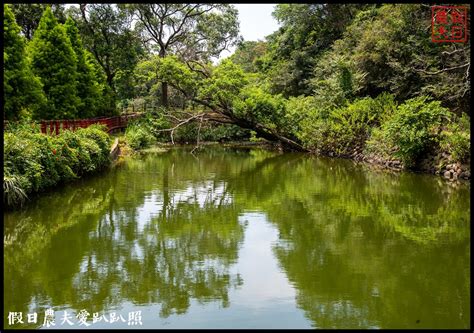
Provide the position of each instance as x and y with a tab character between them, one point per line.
415	126
107	33
195	32
88	89
28	15
388	48
21	89
248	55
225	95
306	31
54	61
106	105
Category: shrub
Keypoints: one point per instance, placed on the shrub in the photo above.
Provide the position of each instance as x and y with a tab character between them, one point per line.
22	157
297	110
154	122
456	138
138	136
13	191
97	136
35	161
379	144
414	127
341	129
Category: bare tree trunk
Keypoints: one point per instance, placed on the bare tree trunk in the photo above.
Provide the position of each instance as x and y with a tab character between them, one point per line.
164	85
164	94
110	80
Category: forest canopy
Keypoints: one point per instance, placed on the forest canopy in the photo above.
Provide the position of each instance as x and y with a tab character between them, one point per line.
334	78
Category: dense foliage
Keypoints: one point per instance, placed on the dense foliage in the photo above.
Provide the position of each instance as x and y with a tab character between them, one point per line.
307	30
28	15
54	61
33	161
139	136
374	49
195	32
52	76
331	79
107	34
87	89
22	91
334	79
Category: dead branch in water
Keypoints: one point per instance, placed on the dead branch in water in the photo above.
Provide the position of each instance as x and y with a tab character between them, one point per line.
198	136
181	123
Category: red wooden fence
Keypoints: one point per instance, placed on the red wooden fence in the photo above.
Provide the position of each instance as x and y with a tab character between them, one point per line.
112	123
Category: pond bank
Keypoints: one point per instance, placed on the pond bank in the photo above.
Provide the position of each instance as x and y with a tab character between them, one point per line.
437	164
440	164
34	162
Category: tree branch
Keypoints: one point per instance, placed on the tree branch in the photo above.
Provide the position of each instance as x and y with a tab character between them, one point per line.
444	69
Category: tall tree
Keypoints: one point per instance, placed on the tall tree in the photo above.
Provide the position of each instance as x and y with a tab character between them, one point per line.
21	89
87	86
248	55
195	32
106	32
306	31
106	103
28	15
54	61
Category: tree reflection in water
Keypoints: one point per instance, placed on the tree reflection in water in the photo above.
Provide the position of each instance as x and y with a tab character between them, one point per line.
361	248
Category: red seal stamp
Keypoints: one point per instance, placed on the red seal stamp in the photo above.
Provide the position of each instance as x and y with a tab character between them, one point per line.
449	24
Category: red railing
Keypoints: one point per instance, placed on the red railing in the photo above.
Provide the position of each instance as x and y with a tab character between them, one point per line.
112	123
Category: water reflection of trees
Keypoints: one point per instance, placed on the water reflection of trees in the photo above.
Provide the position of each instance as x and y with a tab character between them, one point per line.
360	247
364	251
34	266
169	262
153	235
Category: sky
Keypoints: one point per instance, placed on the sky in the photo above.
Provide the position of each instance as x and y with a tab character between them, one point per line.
256	22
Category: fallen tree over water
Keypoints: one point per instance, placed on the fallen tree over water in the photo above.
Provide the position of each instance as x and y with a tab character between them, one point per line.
223	94
217	117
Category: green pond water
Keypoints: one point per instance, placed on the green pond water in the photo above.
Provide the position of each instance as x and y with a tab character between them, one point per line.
242	238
